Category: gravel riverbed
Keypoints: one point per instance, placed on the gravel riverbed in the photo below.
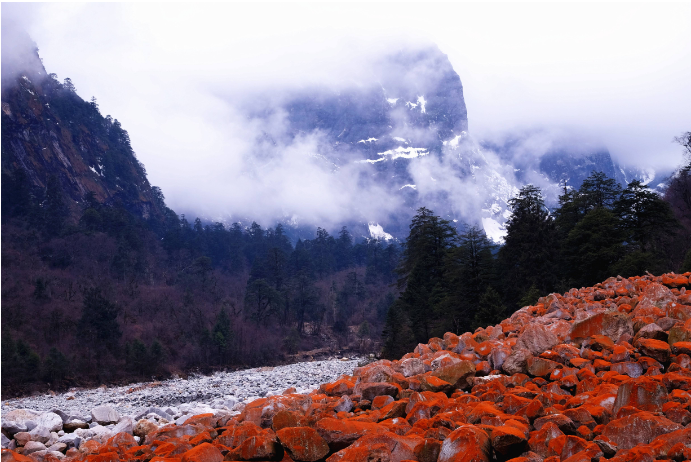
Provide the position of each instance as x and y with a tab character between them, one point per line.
218	391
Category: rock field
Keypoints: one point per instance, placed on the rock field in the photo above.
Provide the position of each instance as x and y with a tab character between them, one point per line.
217	390
599	373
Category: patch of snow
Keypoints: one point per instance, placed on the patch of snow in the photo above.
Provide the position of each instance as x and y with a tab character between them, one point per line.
406	153
26	78
398	138
408	186
453	142
392	101
411	105
647	176
494	230
377	232
421	101
368	140
30	91
93	170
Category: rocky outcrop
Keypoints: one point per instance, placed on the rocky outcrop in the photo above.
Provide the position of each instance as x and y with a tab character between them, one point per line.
533	388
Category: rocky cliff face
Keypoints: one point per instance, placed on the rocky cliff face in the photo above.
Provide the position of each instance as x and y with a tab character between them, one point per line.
404	126
597	373
47	129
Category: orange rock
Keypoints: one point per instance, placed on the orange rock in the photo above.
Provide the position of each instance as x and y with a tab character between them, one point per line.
171	431
540	367
508	441
674	280
639	428
105	457
465	444
12	456
235	435
205	452
457	374
610	324
303	443
682	348
642	393
428	450
434	384
261	447
339	434
285	418
656	349
338	388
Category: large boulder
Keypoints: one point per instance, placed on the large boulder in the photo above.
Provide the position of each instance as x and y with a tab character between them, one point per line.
611	324
19	420
642	393
517	362
303	444
537	339
104	415
639	428
456	374
467	443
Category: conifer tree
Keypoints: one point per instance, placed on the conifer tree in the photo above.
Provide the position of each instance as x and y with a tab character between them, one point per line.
422	271
529	255
491	309
592	247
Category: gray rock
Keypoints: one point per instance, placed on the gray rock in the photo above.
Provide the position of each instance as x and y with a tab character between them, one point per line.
73	425
19	420
5	441
33	446
40	434
58	447
104	415
100	433
62	415
182	419
125	425
517	362
154	410
412	366
52	440
71	440
345	404
49	420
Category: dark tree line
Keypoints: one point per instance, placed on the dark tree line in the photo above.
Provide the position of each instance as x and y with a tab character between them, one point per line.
458	281
107	295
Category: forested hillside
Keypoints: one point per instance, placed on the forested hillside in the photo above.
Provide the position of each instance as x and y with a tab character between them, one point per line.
459	281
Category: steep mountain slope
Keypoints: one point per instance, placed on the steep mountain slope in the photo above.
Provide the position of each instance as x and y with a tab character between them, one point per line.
47	129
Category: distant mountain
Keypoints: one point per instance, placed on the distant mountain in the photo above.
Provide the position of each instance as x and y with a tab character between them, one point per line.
407	130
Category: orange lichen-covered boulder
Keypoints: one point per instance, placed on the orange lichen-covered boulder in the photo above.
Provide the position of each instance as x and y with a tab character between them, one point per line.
642	393
638	428
341	433
205	452
338	388
456	374
303	443
611	324
467	443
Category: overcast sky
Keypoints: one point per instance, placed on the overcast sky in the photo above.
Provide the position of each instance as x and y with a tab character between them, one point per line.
616	72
